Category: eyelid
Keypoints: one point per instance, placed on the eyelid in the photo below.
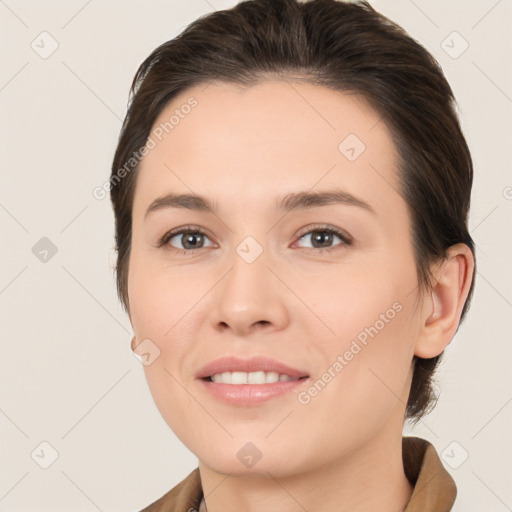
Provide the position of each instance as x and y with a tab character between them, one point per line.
325	227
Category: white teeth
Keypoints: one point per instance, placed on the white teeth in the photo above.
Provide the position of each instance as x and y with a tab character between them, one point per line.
249	378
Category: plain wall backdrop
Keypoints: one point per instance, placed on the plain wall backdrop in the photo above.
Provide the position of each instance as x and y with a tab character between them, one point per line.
68	378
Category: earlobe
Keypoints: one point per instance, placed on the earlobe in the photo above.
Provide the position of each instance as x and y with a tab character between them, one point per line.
132	344
441	314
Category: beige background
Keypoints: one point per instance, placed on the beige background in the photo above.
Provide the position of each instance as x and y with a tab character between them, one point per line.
67	375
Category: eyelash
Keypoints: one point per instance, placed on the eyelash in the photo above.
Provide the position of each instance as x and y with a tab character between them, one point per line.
347	241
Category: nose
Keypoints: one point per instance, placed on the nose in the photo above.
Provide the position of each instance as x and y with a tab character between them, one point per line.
249	298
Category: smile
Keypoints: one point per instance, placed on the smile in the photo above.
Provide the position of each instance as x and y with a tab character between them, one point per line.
258	377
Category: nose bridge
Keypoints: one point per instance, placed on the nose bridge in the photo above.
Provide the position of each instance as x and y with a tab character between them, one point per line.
247	296
247	281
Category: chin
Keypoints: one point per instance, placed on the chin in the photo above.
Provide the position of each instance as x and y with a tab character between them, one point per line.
239	457
233	467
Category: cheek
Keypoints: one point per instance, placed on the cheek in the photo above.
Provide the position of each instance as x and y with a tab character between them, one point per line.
346	299
368	381
159	308
368	353
174	400
159	298
162	311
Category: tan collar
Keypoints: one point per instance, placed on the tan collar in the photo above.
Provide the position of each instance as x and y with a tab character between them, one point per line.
434	488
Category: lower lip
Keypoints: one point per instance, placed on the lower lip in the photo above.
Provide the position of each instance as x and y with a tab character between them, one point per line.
250	394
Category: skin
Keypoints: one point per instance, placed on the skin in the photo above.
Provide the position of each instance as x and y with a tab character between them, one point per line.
245	148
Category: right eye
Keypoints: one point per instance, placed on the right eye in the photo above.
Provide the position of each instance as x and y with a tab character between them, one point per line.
188	239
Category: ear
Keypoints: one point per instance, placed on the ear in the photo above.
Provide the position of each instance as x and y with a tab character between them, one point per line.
440	315
132	344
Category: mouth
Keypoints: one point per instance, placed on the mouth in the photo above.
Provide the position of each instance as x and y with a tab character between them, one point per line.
257	377
257	370
253	386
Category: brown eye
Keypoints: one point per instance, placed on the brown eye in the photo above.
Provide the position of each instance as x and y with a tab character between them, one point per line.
324	238
185	240
192	240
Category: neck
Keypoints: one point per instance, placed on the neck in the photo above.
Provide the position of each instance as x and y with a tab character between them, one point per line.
370	478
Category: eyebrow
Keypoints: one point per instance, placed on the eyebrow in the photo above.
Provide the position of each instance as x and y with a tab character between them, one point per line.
290	202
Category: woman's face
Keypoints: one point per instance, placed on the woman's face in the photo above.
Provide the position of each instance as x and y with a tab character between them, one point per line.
260	276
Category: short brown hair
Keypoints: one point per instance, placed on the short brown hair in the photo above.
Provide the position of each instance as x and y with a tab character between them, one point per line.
347	47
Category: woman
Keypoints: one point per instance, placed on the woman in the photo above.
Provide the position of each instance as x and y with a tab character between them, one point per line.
291	189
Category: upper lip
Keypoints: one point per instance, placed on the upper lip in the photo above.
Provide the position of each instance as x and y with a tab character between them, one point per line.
235	364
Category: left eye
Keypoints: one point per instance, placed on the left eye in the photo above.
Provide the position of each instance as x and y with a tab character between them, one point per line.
321	238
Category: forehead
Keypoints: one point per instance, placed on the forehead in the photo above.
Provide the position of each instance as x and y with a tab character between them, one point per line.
234	144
